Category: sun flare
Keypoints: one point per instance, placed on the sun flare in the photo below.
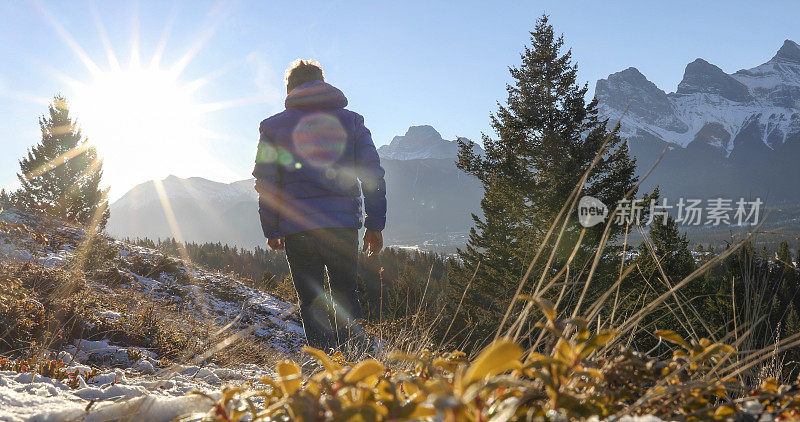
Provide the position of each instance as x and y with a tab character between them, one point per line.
146	106
132	114
146	119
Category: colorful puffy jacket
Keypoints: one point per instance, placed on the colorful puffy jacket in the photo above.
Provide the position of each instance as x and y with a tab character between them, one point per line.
310	160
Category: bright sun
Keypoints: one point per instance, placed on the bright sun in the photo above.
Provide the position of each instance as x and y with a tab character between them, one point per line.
147	107
145	119
134	116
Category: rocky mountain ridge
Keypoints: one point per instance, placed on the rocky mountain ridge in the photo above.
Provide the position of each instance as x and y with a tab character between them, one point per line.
726	134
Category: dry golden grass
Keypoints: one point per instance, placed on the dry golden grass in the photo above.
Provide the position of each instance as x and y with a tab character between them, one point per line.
578	365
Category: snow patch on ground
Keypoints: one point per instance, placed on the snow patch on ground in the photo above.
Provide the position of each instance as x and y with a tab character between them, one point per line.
133	382
158	395
24	397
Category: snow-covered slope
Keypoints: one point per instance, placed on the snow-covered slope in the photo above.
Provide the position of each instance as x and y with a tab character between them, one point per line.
421	142
120	381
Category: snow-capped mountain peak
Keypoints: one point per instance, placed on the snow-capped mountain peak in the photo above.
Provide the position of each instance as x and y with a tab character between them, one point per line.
703	77
725	134
629	89
762	102
778	79
425	133
788	53
421	142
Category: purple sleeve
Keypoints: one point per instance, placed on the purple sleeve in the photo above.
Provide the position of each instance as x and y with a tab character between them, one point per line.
267	176
370	173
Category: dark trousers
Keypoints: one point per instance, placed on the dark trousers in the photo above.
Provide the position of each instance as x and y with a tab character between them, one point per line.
309	254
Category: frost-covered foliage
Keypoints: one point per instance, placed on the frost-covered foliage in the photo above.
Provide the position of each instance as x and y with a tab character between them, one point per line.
87	318
148	289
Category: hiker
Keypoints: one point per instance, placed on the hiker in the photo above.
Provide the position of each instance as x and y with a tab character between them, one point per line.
310	160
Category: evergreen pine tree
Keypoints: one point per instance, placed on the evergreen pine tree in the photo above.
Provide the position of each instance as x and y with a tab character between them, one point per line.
702	255
60	176
784	255
547	137
672	250
5	198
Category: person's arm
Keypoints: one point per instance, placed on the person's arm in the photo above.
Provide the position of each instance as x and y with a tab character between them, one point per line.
373	185
267	174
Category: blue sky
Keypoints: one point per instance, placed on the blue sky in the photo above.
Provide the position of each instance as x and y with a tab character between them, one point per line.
399	63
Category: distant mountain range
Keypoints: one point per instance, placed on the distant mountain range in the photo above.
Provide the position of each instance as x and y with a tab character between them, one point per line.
430	201
204	211
727	135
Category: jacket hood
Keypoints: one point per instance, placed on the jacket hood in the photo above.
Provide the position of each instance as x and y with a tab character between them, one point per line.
316	94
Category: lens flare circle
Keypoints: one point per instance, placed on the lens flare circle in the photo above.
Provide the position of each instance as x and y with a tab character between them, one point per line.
319	139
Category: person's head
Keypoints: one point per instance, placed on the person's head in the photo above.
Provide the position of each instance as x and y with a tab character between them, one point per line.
302	71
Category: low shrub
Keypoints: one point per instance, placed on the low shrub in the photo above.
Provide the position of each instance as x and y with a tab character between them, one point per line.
22	318
577	378
155	265
49	366
50	307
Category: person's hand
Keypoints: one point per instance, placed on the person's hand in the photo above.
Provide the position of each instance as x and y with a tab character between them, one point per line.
276	243
373	239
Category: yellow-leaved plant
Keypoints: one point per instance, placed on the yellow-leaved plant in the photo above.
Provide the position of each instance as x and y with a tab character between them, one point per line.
574	375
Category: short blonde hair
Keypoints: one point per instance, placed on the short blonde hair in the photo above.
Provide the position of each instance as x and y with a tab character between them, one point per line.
301	71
